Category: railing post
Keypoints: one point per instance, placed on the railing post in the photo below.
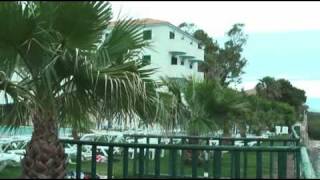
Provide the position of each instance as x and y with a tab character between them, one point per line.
170	163
232	160
174	157
147	156
194	163
79	156
134	157
297	153
237	164
217	164
259	163
232	172
271	162
157	163
207	160
125	162
141	161
182	158
245	160
110	162
93	162
282	165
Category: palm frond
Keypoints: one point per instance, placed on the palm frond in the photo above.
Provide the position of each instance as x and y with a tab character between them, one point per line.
16	102
17	26
81	24
124	42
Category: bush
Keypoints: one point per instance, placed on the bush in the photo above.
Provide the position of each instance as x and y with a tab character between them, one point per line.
314	125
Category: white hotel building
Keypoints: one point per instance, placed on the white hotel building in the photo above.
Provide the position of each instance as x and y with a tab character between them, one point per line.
173	52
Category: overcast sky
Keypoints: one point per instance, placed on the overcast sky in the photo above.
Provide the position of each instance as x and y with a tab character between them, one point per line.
217	17
283	36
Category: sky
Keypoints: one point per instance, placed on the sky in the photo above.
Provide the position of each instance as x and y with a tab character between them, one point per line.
283	39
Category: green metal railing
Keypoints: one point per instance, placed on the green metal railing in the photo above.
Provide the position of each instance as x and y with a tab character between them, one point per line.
205	139
307	171
214	163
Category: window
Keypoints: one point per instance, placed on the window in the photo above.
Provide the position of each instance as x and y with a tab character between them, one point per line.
191	65
146	60
191	42
171	35
182	62
199	46
147	34
174	60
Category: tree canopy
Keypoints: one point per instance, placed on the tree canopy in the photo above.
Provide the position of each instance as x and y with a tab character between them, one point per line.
281	90
224	64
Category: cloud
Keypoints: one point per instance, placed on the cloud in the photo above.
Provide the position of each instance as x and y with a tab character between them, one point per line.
312	87
217	17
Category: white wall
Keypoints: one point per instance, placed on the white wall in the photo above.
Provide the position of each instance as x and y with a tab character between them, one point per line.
161	45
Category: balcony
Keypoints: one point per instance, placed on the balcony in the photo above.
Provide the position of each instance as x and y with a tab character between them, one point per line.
177	53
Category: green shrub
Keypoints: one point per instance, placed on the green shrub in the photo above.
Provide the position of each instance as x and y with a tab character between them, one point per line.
314	125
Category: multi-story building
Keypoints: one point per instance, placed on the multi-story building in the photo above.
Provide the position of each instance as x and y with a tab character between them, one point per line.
173	52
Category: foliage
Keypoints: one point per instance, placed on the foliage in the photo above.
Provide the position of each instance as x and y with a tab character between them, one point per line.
268	88
65	65
60	67
283	91
313	125
208	106
230	57
224	64
266	114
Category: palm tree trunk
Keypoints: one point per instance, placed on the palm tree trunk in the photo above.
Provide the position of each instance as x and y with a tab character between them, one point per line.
226	130
226	133
44	158
75	134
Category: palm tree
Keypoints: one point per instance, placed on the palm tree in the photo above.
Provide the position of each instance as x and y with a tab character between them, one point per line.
185	110
58	63
269	88
174	109
222	105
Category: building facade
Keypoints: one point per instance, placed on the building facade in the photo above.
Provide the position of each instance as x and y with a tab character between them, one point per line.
173	52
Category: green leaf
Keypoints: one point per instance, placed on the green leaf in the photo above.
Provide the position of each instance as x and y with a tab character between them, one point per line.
82	24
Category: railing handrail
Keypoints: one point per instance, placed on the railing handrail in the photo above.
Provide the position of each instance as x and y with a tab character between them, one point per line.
306	165
307	169
212	138
185	146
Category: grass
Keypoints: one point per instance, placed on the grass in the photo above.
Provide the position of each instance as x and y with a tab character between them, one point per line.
14	172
